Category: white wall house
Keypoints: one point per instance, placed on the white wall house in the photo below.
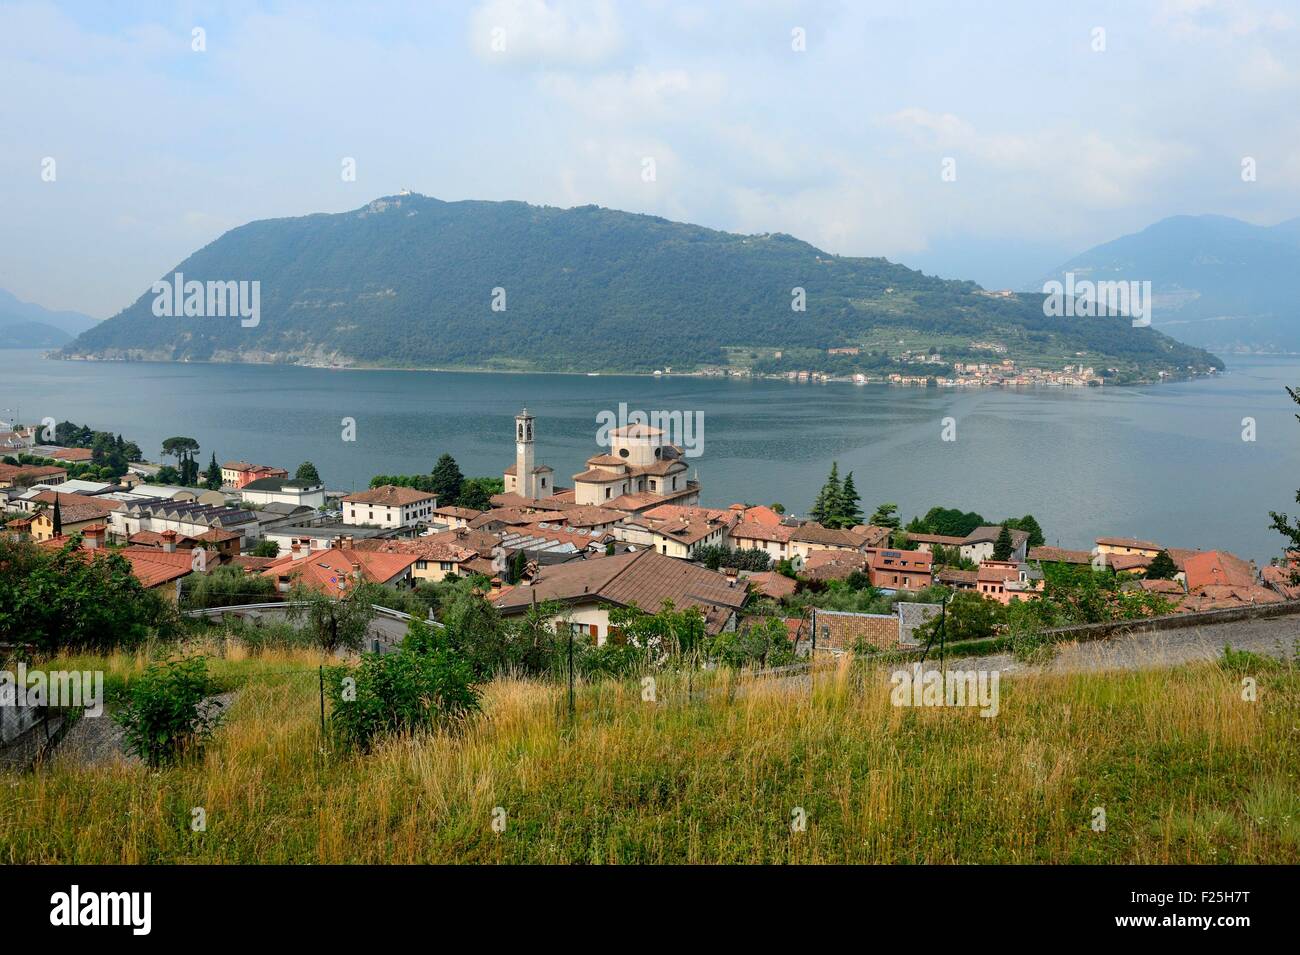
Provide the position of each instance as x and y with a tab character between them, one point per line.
283	491
390	506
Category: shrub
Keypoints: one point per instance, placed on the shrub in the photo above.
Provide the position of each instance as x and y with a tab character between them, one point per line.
225	587
164	713
424	686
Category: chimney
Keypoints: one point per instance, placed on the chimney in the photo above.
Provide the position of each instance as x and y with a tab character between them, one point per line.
356	570
337	543
347	542
295	548
169	542
92	538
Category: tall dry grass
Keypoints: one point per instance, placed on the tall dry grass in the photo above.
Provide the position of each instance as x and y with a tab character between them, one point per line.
1184	768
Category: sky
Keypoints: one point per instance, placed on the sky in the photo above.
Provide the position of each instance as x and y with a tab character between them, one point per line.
981	140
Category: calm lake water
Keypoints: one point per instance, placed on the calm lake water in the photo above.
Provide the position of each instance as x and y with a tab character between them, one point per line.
1166	462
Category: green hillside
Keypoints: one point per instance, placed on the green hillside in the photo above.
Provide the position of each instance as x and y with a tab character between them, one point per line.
408	281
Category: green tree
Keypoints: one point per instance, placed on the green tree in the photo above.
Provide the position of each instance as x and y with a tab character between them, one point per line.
1162	567
307	472
446	480
336	623
476	492
64	599
1281	523
886	515
183	449
850	514
1002	546
212	476
265	547
425	685
829	502
1029	526
168	713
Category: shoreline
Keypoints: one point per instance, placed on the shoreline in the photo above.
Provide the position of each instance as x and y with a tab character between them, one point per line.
810	380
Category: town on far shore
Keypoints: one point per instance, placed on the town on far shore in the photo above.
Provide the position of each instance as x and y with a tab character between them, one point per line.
627	531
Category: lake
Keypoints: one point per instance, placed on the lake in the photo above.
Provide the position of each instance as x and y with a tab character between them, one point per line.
1165	462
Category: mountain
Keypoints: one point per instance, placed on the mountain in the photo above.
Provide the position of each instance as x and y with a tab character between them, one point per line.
1216	282
410	281
27	325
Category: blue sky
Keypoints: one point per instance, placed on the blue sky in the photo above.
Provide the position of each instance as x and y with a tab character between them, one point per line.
1057	145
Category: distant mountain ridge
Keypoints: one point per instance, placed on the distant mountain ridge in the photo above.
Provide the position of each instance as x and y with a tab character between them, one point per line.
27	325
412	281
1217	282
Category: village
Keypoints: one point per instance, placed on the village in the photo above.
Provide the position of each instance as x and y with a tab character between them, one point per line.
628	531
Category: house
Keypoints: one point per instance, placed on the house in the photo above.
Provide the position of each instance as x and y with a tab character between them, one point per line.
454	517
837	631
589	589
901	569
769	583
236	474
977	546
338	570
927	542
25	475
14	440
321	536
390	506
156	569
1127	545
1059	555
75	512
958	579
774	539
1217	568
435	560
1007	581
71	455
275	490
834	564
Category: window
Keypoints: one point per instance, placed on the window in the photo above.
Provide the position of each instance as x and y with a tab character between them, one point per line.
607	493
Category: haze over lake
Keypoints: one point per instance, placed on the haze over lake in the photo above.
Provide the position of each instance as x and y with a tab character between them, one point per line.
1165	463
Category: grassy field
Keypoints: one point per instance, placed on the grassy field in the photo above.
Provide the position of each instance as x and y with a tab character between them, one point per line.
1184	768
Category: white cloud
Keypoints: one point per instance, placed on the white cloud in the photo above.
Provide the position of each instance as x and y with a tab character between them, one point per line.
537	33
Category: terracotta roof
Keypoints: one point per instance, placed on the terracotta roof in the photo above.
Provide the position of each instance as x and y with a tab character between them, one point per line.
611	459
1279	578
511	516
154	567
390	495
422	548
814	533
996	574
758	514
677	512
597	476
465	513
80	510
952	576
945	539
1122	562
538	469
1060	555
771	584
330	570
833	564
643	578
763	532
71	454
216	535
1218	568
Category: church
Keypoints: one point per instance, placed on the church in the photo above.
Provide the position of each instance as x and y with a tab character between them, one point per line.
640	470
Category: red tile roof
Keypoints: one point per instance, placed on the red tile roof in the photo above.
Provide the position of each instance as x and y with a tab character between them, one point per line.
1218	568
390	495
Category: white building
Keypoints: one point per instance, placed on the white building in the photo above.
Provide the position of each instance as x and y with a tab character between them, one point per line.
389	506
283	491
